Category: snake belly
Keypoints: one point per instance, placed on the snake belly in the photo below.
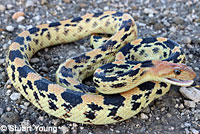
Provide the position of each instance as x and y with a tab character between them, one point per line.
75	101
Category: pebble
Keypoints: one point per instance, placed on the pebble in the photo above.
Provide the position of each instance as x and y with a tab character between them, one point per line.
186	124
146	110
23	107
190	93
56	122
10	28
1	111
2	61
43	2
143	116
2	8
29	3
181	106
172	29
20	19
9	6
83	5
10	117
15	96
8	92
187	40
44	69
190	104
8	109
17	15
149	11
179	20
158	26
64	129
8	86
169	115
194	131
67	1
34	60
41	118
26	104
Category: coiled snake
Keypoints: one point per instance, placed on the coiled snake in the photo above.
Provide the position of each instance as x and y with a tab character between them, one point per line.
128	73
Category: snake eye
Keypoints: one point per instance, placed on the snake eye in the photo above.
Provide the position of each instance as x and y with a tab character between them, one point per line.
177	71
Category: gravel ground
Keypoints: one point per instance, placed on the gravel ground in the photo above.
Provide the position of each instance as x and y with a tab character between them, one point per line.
171	114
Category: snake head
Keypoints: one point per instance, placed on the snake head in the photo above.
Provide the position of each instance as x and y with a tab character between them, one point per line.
172	73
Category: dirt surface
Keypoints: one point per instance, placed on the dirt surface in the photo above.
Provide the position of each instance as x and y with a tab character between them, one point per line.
178	20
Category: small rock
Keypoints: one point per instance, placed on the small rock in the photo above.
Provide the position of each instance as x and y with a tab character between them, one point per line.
172	29
169	115
179	20
44	69
56	122
2	61
8	109
187	131
83	5
190	93
190	56
146	110
23	107
181	106
15	96
158	26
194	131
75	125
186	124
20	19
106	8
10	117
47	57
143	116
43	2
1	111
149	11
189	103
10	28
8	92
35	60
1	29
29	3
41	118
8	86
26	104
17	15
9	6
2	8
187	40
67	1
64	129
37	18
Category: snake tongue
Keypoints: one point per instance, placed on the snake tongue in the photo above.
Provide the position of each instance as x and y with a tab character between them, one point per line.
178	82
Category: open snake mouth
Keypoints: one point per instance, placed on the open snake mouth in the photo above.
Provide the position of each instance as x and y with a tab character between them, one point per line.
178	82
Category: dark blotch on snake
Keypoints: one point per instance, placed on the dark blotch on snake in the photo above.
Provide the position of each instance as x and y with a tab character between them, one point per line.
54	24
72	97
76	19
159	92
15	54
94	107
115	100
146	86
42	84
33	30
24	71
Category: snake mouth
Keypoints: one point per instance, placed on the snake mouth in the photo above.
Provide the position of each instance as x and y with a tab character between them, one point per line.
178	82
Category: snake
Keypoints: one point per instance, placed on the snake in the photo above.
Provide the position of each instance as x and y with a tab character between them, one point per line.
128	73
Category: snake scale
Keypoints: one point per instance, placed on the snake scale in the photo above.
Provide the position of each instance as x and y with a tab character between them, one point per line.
128	74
